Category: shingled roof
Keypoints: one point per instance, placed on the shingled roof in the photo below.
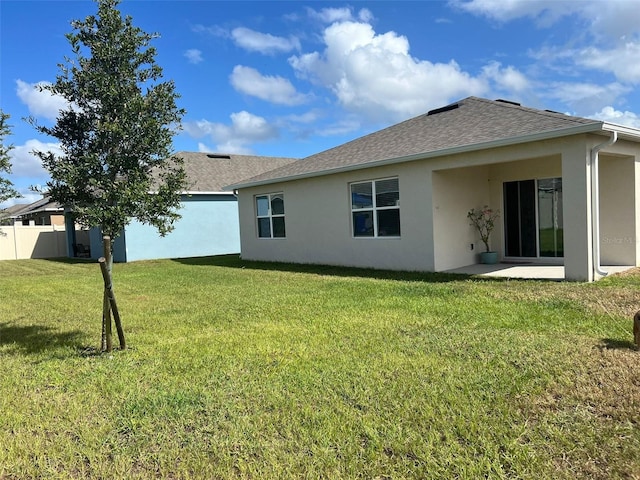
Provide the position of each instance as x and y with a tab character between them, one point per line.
209	172
468	124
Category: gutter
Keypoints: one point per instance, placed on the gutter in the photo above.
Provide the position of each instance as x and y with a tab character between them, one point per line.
595	204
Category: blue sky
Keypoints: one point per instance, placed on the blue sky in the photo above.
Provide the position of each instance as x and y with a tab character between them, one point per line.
292	78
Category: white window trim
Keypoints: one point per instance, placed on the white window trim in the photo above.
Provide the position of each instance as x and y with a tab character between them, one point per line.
374	209
269	215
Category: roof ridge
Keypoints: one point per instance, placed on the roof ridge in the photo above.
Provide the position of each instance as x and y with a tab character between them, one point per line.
537	111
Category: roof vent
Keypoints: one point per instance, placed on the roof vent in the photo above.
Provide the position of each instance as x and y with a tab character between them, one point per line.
217	155
553	111
435	111
501	100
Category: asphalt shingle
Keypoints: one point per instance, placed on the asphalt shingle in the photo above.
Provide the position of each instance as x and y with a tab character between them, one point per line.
467	122
208	172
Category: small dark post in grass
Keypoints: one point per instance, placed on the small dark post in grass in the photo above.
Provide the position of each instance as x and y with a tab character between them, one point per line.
110	306
636	329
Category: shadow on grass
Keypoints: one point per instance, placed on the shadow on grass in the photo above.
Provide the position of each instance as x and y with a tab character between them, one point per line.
37	338
70	261
234	261
617	344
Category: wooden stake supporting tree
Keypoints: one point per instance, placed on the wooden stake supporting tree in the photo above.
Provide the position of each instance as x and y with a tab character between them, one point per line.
110	306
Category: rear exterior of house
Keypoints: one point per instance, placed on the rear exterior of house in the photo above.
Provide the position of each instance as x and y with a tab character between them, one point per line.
398	198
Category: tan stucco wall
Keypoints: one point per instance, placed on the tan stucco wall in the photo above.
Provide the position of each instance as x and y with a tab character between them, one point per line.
617	211
318	223
455	192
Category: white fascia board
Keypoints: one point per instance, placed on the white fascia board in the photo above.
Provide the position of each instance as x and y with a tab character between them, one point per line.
198	192
588	128
628	132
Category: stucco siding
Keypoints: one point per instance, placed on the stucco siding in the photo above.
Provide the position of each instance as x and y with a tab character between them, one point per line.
617	211
208	226
455	192
318	222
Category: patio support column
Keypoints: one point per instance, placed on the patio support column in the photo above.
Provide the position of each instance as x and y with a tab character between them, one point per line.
576	197
70	232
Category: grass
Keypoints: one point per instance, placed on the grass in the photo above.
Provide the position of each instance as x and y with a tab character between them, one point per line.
252	370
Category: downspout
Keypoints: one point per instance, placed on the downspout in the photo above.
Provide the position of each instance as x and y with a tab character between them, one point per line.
595	204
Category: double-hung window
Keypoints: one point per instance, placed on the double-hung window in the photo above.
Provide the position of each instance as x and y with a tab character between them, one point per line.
270	215
375	208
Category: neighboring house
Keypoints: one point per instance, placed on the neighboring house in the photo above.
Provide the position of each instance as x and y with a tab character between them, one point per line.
568	190
41	212
35	230
209	223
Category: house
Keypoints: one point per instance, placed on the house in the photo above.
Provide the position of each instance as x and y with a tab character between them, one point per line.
41	212
209	215
35	230
568	190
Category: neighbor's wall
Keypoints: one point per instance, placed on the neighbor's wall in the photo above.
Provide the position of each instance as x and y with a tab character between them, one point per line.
318	222
20	242
209	226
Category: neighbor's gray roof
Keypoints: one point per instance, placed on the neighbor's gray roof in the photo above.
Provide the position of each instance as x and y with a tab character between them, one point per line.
44	204
209	172
466	123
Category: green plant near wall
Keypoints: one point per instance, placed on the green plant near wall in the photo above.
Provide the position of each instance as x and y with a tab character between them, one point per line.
483	220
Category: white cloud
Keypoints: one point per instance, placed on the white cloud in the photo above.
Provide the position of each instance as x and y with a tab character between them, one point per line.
506	79
203	148
213	30
26	164
546	11
263	42
374	74
194	56
27	197
616	19
244	130
277	90
585	98
365	15
623	61
330	15
344	14
40	103
609	114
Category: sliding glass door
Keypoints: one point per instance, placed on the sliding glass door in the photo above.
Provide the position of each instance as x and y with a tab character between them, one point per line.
533	218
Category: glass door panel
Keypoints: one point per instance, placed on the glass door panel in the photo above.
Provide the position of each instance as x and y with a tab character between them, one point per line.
520	219
550	228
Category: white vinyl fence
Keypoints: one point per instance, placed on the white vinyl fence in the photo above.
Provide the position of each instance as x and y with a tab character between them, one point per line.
18	241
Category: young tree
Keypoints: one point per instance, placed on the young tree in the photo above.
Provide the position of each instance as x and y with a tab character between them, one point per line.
6	187
116	134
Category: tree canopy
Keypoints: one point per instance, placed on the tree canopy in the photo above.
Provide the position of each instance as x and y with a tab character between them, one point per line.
7	190
116	133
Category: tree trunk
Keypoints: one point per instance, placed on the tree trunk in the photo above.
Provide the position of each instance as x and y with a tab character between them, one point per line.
109	300
107	343
108	287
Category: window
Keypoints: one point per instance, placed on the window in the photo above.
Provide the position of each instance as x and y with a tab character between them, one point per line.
375	208
270	215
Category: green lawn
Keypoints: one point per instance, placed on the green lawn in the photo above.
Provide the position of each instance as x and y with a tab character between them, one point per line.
249	370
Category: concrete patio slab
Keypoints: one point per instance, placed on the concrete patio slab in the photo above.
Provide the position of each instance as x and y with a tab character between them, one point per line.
527	271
